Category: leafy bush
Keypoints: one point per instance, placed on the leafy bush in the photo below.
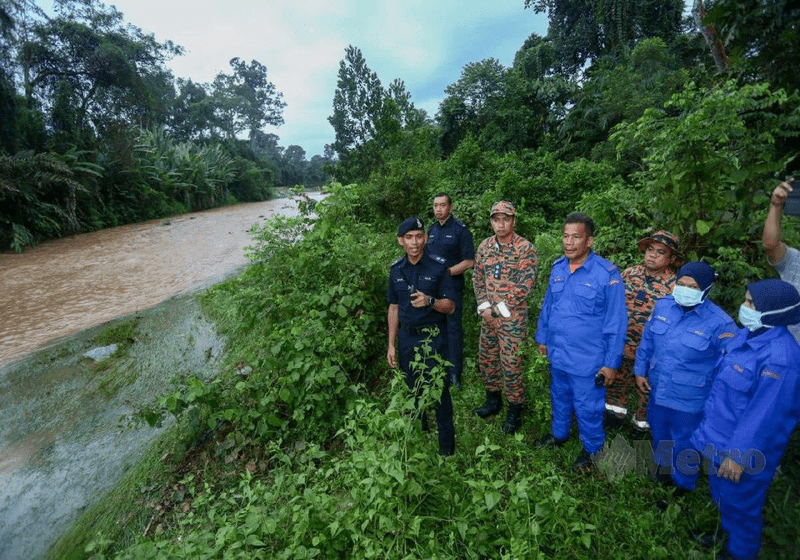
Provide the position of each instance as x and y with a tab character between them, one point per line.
306	318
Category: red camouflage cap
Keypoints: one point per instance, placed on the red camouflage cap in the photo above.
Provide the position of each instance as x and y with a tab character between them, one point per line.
503	207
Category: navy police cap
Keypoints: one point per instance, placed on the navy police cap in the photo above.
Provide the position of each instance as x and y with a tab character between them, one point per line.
410	224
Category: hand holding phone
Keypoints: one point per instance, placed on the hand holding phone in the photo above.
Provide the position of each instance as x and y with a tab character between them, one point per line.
792	205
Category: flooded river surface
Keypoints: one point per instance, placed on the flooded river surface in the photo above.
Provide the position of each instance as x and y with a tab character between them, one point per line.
64	440
67	285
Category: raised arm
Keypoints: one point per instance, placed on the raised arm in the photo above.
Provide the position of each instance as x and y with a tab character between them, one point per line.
773	246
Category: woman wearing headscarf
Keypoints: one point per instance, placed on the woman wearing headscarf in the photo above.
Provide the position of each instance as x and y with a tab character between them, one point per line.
753	407
681	343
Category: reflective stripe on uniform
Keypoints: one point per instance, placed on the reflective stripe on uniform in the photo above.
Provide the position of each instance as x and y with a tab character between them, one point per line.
616	409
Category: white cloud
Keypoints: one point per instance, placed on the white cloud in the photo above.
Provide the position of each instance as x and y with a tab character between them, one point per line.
424	43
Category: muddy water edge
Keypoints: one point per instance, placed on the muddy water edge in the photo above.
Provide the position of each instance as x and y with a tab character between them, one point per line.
65	435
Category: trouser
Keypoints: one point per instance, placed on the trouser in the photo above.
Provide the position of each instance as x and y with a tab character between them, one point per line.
618	395
498	357
408	343
455	335
672	449
578	393
740	505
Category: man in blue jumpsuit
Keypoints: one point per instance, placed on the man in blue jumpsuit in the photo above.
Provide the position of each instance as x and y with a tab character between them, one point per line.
582	329
751	412
681	343
419	302
449	238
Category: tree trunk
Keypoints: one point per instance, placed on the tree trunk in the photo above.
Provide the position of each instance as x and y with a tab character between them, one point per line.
711	36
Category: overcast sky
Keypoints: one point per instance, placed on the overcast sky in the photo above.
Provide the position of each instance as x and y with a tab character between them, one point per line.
425	43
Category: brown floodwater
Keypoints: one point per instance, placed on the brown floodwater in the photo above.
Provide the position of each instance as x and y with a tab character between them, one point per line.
66	430
67	285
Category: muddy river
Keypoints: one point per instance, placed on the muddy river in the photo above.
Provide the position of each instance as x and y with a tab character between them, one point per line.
64	286
63	438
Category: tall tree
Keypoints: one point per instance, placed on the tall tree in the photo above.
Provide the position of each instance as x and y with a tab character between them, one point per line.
410	117
471	102
192	113
246	100
109	70
356	103
585	30
761	38
358	107
294	164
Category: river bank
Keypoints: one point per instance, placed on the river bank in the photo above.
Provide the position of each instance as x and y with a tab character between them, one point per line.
65	435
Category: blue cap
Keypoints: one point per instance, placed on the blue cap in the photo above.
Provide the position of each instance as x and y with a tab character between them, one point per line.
410	224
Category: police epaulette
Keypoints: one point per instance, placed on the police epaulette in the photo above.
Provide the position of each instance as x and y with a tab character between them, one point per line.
397	261
437	258
560	259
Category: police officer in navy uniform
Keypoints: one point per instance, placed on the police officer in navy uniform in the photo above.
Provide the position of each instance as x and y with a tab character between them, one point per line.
449	238
419	297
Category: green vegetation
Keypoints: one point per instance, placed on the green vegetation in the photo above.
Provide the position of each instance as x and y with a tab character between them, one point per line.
97	132
311	450
117	371
123	334
304	447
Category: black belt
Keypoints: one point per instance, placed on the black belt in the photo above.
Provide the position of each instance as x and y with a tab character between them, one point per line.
419	331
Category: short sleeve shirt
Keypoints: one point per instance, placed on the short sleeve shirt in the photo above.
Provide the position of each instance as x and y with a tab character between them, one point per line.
453	242
430	277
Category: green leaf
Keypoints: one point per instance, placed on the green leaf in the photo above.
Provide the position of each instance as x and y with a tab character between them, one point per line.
703	227
491	499
462	529
253	540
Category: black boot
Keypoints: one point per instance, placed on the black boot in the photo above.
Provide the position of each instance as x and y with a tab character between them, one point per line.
492	405
514	418
447	446
583	462
549	441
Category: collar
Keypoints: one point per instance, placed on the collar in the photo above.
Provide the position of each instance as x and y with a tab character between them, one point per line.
447	221
662	276
585	264
764	337
510	241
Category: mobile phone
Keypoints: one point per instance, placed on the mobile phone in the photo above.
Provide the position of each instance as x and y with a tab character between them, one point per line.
599	380
792	206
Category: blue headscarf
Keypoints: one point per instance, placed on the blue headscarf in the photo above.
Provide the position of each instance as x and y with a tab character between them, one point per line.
778	302
701	272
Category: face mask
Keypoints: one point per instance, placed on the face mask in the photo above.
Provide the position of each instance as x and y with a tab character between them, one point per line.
687	297
750	318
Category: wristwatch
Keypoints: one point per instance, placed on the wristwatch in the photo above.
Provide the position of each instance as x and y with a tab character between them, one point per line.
431	301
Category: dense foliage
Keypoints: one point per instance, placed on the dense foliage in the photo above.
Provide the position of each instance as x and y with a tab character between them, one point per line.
83	98
308	448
